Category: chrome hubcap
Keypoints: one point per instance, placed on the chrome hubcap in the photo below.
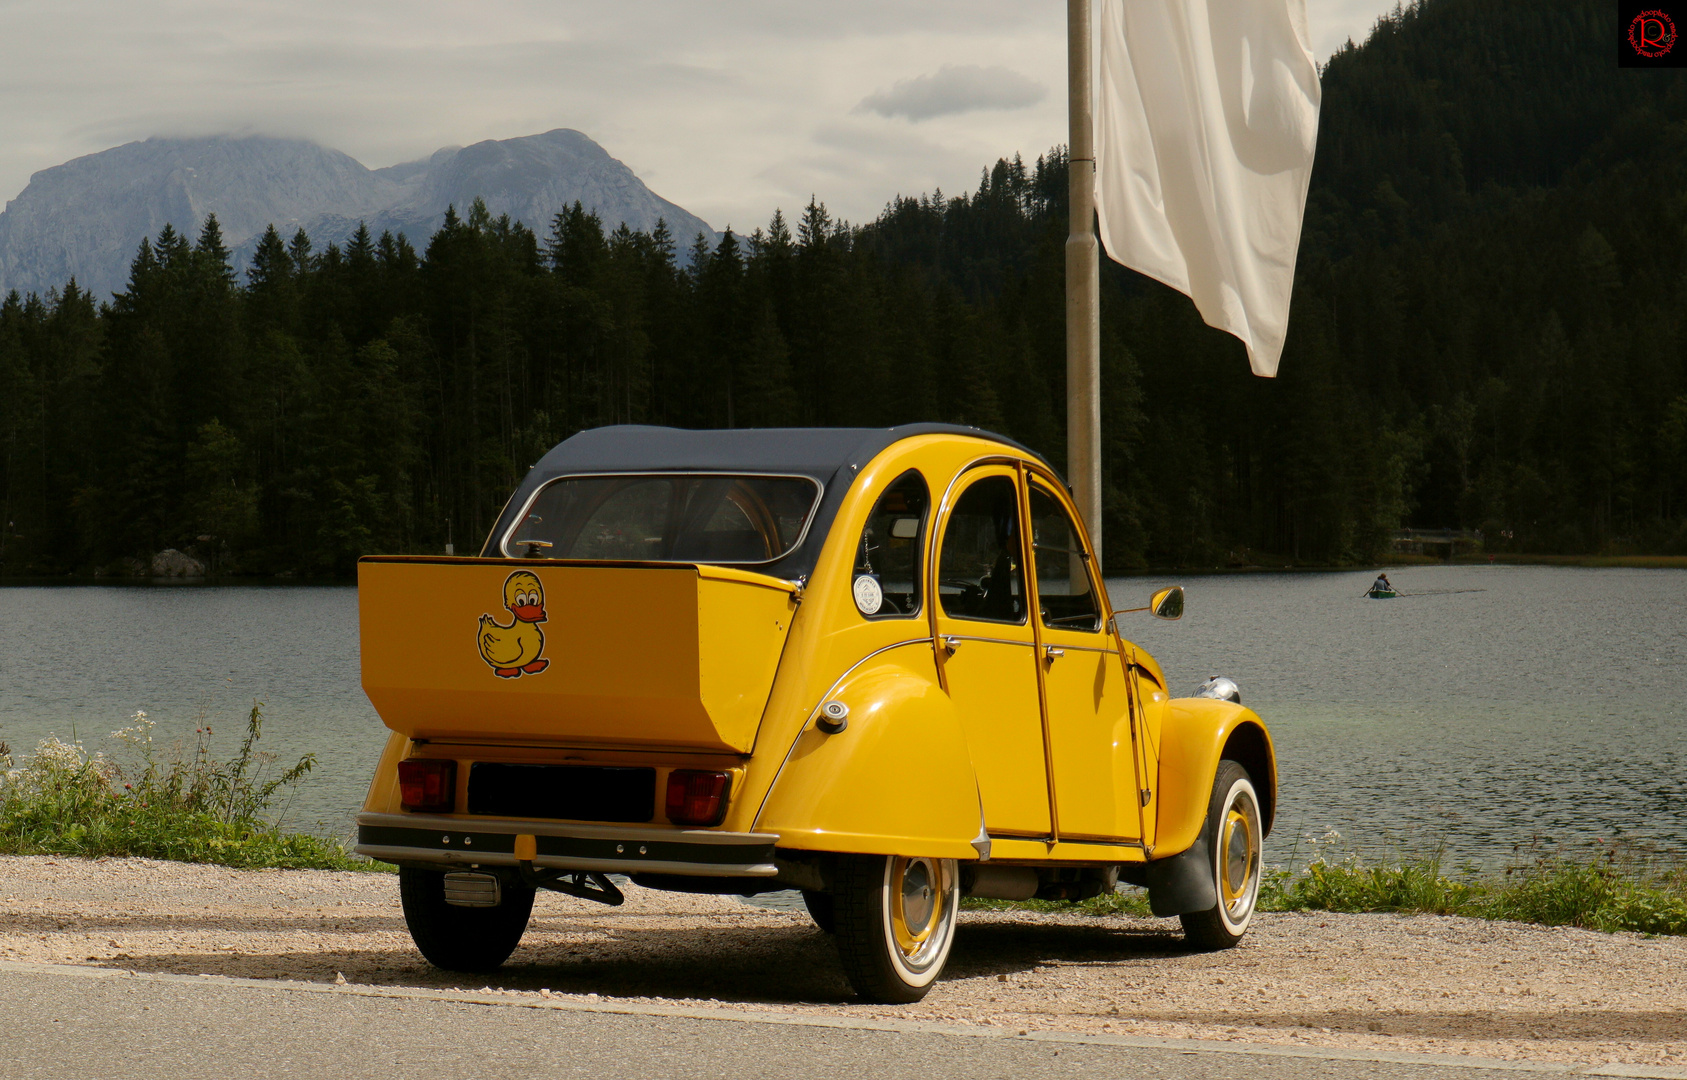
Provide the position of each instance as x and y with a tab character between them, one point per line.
919	908
917	898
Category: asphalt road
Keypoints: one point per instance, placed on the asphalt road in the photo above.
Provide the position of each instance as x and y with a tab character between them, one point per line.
92	1023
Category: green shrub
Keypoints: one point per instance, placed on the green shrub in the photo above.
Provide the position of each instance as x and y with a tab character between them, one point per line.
1611	888
190	807
1416	885
1622	889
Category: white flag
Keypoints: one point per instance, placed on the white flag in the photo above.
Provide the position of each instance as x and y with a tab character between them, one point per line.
1206	120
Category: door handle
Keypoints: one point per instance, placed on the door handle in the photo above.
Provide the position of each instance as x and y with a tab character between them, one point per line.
1051	654
950	644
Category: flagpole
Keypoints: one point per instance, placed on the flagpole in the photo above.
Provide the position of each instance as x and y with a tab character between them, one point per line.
1083	294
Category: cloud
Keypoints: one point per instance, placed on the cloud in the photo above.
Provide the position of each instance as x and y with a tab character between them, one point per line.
955	89
730	110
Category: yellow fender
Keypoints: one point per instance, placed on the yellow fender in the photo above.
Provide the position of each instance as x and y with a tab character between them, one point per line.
898	779
1196	735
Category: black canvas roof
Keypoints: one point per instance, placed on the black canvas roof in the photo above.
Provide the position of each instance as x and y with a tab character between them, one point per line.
832	456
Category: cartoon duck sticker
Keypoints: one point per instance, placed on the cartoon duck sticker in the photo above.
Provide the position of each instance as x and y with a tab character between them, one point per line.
514	649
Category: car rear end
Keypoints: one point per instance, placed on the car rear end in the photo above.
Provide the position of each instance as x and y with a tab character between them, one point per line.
621	755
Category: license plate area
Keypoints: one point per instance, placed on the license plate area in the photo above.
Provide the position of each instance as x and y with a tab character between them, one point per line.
472	890
563	792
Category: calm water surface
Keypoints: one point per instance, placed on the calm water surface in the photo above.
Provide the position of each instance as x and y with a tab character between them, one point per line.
1549	706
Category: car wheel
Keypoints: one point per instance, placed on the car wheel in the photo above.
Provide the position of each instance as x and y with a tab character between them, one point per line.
462	938
895	922
1234	836
821	909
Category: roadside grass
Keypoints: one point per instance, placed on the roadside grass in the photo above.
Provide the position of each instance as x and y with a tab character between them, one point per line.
184	804
1612	887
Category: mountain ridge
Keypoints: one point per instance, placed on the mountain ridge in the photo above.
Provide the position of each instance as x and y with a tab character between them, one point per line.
85	218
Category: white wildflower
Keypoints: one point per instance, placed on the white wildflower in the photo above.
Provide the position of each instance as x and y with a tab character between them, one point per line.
55	760
53	754
138	733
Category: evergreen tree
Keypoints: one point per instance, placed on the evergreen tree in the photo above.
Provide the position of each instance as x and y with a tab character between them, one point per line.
1487	333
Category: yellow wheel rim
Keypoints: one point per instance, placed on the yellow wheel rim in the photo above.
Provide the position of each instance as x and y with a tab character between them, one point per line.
917	890
1238	857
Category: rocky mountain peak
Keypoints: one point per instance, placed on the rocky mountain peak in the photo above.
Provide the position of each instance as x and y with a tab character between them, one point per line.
86	218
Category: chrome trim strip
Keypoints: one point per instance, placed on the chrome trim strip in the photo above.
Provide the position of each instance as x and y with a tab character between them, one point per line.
1084	648
941	525
1092	559
927	520
1102	843
507	500
813	511
551	862
991	640
1027	644
814	711
941	518
607	749
517	826
466	841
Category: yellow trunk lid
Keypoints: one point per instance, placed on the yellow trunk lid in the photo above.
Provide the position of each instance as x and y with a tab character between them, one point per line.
659	655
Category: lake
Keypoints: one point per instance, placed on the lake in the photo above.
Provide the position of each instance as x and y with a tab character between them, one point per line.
1546	708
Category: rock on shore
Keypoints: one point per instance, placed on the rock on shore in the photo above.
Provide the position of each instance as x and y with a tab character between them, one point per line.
172	563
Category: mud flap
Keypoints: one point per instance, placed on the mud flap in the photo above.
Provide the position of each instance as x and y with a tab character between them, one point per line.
1184	883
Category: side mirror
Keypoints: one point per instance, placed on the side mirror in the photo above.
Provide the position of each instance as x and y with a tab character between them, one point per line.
1167	603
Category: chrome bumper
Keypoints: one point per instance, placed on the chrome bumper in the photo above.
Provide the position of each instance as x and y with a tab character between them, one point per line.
610	849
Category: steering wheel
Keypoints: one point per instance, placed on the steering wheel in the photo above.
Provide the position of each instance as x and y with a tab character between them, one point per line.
969	589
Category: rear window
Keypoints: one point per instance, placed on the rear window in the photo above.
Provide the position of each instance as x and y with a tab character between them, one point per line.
685	517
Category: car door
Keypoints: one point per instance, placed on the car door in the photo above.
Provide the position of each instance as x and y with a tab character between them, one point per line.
1092	744
987	648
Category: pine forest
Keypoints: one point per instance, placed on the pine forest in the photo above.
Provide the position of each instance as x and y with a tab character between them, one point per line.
1487	334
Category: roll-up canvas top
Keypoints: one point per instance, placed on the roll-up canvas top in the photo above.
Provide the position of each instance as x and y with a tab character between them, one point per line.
831	456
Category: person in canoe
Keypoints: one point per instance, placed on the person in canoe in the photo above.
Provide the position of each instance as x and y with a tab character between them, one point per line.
1381	587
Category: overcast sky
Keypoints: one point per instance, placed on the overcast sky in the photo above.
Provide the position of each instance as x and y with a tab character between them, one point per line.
728	108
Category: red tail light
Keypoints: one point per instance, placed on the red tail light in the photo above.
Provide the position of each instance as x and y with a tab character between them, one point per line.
696	797
428	785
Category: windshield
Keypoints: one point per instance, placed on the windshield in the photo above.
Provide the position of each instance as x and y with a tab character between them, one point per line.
686	517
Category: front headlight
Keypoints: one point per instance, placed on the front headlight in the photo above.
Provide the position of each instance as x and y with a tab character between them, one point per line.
1219	689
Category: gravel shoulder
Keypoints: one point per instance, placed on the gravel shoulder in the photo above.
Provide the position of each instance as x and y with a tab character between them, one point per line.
1375	982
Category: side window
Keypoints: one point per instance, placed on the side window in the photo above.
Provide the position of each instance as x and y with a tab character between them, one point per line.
1065	596
979	572
887	560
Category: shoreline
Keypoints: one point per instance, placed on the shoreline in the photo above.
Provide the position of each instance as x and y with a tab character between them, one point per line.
1387	983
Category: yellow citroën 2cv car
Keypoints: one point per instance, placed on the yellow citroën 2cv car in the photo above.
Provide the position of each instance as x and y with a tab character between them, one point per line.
874	665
